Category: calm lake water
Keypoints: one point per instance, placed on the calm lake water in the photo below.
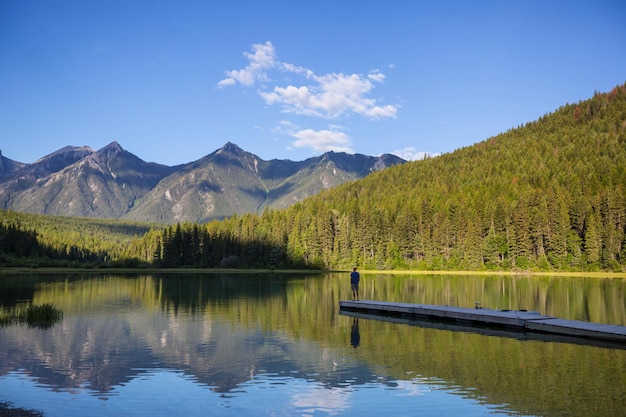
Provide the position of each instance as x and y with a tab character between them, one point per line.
276	345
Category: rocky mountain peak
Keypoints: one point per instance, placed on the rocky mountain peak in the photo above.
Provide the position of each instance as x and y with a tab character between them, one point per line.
114	183
230	147
112	148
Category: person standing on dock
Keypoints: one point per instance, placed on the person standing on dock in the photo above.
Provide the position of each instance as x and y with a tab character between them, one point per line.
354	283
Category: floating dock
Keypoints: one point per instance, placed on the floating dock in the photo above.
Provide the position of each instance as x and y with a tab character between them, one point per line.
517	320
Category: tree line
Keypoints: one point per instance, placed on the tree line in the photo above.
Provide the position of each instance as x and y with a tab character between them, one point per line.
548	195
41	240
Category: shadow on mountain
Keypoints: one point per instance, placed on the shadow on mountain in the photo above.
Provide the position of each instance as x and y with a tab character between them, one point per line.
286	188
207	186
254	192
279	169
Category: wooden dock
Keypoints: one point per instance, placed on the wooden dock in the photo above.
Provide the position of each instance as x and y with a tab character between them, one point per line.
517	320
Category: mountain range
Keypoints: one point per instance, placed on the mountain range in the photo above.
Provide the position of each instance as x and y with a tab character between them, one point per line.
114	183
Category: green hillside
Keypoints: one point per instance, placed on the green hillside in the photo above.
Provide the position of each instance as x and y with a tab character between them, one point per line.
43	240
549	195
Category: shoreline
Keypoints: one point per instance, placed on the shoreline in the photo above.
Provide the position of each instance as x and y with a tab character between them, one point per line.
50	270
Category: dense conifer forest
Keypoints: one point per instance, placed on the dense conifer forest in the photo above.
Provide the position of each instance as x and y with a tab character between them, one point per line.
549	195
40	240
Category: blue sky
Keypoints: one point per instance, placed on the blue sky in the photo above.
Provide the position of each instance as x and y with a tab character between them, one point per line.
173	81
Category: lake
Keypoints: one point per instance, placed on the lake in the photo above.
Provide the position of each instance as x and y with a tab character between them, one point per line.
277	345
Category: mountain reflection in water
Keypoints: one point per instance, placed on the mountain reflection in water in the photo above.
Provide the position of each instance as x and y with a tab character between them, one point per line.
235	335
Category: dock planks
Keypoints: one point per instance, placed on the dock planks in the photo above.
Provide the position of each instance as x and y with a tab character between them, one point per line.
511	319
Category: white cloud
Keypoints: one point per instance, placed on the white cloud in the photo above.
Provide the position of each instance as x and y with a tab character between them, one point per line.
296	69
410	154
327	96
333	96
322	140
226	81
313	400
376	76
263	59
325	140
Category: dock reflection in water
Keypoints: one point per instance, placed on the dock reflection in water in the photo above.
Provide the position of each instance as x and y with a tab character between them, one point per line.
238	344
531	323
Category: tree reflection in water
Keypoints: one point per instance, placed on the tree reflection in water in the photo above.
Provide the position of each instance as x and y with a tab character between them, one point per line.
234	333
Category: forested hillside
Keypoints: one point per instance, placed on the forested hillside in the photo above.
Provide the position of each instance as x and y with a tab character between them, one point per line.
549	195
40	240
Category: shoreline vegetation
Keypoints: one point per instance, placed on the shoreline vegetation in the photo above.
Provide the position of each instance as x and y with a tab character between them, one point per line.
41	316
7	409
48	270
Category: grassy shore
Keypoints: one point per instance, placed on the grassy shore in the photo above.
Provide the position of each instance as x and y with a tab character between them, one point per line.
521	273
63	270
